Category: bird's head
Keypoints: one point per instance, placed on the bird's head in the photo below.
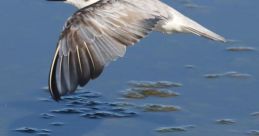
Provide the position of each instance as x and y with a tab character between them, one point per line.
77	3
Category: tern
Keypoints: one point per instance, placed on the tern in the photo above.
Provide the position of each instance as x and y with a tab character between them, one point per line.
101	30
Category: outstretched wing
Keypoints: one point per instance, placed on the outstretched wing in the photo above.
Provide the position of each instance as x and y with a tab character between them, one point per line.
95	36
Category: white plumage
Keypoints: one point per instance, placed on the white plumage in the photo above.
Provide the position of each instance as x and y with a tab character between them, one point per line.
100	31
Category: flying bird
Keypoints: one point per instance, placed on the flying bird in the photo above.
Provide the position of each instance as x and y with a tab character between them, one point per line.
101	30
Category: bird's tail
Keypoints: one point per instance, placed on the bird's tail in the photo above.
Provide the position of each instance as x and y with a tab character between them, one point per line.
177	22
193	27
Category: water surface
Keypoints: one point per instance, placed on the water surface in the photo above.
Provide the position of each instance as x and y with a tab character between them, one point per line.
29	32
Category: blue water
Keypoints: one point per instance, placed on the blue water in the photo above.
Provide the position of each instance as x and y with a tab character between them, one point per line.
28	36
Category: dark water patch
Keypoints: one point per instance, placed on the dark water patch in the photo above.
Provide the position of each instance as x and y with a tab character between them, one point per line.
84	102
94	103
47	115
152	84
67	111
45	130
213	76
231	74
57	123
81	95
76	102
31	130
140	93
226	121
174	129
190	66
240	49
27	130
253	133
159	108
122	104
43	134
108	114
88	94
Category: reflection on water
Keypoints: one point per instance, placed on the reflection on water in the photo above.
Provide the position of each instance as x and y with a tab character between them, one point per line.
28	42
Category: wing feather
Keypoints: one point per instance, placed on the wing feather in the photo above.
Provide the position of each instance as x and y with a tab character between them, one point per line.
95	36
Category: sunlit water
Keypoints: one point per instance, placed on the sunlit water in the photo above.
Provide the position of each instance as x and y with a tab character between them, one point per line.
218	96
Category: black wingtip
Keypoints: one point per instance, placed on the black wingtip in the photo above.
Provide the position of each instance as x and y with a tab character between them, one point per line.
53	89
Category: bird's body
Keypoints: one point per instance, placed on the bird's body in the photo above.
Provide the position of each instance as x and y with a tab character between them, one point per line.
100	31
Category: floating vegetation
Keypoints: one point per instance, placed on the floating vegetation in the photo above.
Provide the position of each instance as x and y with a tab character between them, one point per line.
174	129
231	74
57	123
132	94
33	130
240	49
253	132
140	93
47	115
226	121
160	108
151	84
255	114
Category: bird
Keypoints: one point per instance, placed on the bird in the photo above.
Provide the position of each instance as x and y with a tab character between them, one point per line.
100	31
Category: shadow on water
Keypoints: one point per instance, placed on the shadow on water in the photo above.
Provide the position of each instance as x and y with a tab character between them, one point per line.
90	109
217	93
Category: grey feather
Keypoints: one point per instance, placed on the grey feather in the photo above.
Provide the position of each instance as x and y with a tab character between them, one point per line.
93	37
